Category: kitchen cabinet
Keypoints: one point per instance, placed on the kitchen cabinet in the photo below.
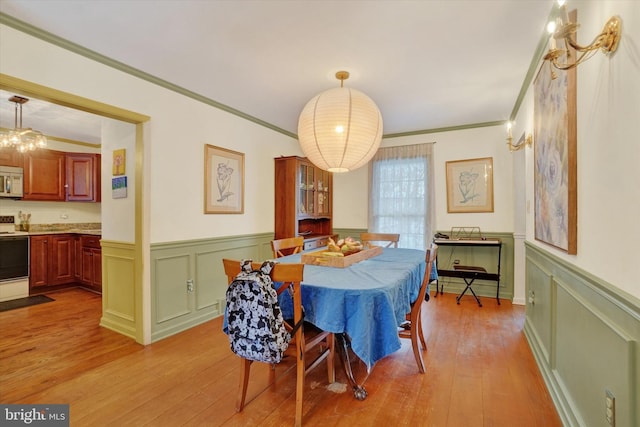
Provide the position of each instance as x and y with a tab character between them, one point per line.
51	260
303	201
91	262
77	258
82	177
51	175
44	175
10	157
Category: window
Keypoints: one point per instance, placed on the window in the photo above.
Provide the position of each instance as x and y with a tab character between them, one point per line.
401	194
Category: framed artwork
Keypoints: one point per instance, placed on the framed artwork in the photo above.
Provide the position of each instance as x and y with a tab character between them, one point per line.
555	169
119	162
223	181
470	185
119	187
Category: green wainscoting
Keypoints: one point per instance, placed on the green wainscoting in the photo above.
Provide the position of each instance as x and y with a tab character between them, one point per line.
188	283
584	335
121	296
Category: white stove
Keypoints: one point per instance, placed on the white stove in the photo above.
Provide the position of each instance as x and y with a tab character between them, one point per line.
8	227
14	260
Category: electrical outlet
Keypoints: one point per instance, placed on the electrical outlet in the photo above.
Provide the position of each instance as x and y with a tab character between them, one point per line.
610	407
532	297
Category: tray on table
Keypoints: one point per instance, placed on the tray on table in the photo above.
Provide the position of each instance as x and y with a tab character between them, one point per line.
318	258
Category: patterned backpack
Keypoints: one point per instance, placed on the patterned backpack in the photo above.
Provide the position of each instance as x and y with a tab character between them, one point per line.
256	328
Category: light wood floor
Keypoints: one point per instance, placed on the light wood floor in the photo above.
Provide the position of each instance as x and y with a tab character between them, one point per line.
480	372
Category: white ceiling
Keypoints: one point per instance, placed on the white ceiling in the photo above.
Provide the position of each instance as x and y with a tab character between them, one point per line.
427	64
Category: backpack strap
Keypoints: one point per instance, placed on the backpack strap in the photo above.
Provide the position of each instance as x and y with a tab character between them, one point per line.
297	325
245	265
267	266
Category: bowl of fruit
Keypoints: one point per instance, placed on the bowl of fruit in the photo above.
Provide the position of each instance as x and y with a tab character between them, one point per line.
346	247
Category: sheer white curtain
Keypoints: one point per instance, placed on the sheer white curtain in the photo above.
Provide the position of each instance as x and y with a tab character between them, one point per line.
401	194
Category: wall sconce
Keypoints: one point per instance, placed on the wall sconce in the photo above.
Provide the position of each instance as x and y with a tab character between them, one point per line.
564	29
522	142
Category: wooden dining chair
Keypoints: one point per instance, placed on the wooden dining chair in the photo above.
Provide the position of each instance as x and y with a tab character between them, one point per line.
387	239
304	339
288	246
412	329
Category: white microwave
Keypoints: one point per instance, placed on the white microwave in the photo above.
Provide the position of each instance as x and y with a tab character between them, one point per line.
11	182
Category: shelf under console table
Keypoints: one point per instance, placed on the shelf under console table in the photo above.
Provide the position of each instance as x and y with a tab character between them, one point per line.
471	273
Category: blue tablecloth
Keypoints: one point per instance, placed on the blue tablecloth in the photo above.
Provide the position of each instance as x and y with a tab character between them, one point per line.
367	300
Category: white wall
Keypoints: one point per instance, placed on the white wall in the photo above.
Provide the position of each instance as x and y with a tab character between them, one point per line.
174	140
119	221
608	121
351	189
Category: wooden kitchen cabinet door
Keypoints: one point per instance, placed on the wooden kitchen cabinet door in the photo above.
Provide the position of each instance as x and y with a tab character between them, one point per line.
39	260
83	177
10	157
92	262
51	260
44	175
61	259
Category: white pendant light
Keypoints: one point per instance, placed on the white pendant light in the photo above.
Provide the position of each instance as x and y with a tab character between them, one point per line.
340	129
22	139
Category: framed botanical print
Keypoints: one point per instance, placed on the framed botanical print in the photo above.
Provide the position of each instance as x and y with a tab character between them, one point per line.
470	185
223	181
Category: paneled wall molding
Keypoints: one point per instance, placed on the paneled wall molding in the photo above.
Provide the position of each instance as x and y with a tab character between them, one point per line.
188	284
584	335
120	299
624	300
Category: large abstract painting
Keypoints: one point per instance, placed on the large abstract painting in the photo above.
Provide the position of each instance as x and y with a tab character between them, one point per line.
555	186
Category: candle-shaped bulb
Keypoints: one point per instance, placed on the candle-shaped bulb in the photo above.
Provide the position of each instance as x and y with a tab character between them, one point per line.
551	28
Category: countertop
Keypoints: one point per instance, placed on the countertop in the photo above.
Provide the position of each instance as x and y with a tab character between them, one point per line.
71	231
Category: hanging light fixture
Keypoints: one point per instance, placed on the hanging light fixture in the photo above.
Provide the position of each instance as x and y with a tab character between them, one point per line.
22	139
340	129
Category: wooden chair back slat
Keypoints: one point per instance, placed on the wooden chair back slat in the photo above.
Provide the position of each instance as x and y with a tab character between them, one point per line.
387	239
287	246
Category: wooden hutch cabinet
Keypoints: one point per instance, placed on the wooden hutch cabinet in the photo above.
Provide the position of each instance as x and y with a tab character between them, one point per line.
303	201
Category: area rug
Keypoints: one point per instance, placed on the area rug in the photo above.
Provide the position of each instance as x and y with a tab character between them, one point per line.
24	302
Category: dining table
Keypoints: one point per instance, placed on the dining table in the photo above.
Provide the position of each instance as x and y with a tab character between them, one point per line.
363	304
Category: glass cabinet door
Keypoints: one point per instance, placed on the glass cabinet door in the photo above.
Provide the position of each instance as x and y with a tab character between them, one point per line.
307	187
322	192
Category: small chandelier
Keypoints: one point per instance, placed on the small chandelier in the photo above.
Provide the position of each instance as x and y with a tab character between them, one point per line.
340	129
22	139
564	29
